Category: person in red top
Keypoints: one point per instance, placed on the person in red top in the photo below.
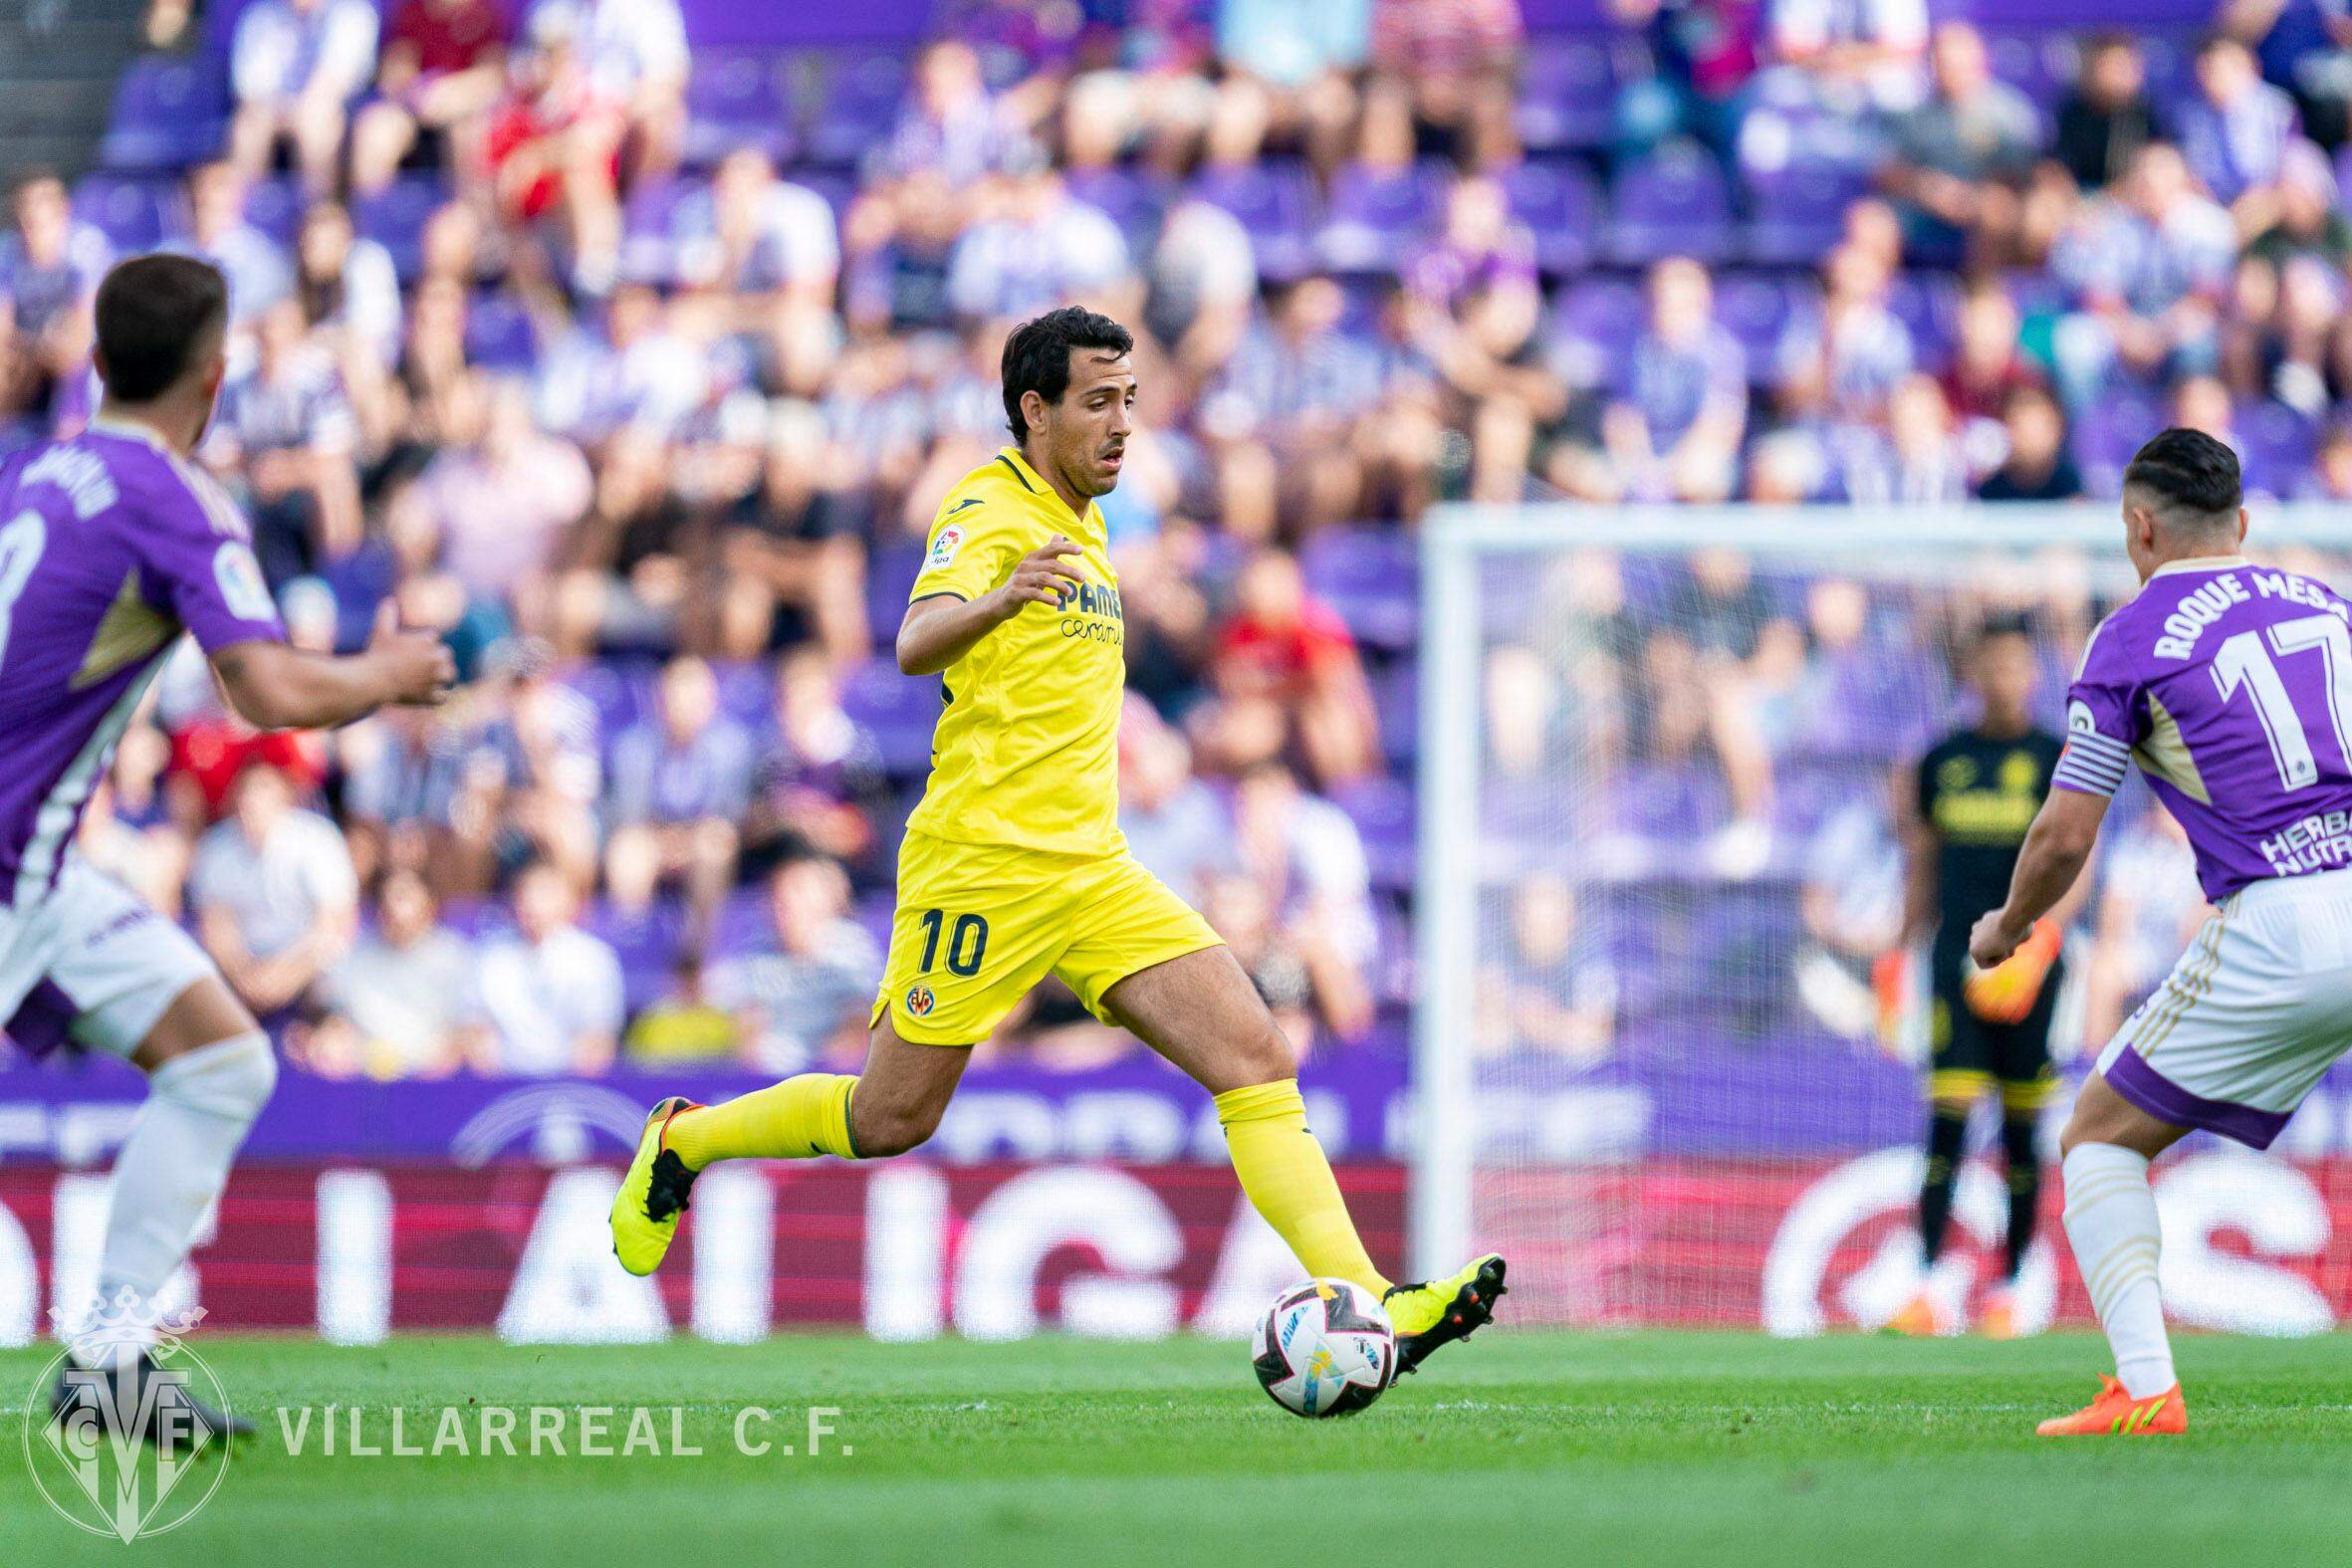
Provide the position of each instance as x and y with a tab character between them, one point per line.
1287	674
1987	366
444	65
552	149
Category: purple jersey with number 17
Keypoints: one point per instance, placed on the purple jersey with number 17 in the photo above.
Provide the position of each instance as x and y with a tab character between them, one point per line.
110	546
2231	685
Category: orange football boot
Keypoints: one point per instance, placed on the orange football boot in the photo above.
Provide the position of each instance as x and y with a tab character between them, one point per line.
1998	1319
1921	1318
2115	1414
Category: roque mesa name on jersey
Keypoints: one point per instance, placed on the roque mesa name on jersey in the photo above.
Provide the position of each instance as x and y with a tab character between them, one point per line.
2210	603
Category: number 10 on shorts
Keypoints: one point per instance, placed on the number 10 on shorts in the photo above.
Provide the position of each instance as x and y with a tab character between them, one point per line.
967	942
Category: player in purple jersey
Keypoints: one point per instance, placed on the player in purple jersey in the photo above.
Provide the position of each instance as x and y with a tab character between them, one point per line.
2230	686
111	544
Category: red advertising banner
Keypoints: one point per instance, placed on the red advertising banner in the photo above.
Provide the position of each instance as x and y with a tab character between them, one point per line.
908	1249
2253	1244
905	1250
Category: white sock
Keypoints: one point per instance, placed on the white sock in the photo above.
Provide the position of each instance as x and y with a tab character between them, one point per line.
176	1160
2111	1221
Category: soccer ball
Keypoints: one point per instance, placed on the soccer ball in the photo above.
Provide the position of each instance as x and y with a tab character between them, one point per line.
1325	1349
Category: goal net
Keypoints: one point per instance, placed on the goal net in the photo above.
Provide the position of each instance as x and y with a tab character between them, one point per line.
1663	1056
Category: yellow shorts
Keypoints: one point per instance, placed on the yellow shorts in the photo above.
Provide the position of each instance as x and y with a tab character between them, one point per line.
978	926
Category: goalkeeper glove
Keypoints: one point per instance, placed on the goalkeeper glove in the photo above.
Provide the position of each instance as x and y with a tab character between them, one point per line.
2005	993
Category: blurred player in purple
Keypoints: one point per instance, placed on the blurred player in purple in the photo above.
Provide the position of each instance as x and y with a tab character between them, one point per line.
111	544
2230	686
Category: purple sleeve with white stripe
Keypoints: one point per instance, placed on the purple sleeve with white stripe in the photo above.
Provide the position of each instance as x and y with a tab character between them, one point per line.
2106	717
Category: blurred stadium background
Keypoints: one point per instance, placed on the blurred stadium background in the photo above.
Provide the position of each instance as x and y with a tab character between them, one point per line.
634	340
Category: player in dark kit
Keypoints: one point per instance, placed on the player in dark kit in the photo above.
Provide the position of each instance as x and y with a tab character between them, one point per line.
1965	810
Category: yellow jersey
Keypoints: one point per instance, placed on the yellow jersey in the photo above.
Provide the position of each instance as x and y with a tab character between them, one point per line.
1026	752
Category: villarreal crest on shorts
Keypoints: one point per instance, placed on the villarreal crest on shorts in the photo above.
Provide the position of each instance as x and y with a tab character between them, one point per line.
978	927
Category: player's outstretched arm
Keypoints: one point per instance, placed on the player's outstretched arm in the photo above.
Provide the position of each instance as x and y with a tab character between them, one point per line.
277	687
939	630
2056	849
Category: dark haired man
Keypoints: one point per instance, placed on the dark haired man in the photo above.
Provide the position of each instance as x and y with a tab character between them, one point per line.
49	266
2230	686
1964	808
113	544
1014	867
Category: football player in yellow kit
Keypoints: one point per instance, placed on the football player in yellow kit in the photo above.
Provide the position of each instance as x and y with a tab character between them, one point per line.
1014	867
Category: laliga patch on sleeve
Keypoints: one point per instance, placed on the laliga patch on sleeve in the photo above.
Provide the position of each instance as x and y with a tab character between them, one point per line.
241	587
2079	720
944	548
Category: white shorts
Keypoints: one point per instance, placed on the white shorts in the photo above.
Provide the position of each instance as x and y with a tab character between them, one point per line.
87	964
2250	1017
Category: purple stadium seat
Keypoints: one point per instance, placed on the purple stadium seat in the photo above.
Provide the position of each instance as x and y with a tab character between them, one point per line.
1522	813
647	253
170	111
873	912
2037	293
499	335
2038	60
1133	201
900	709
1674	202
395	216
476	917
2108	432
742	924
1806	793
646	944
891	575
1928	302
1561	205
274	206
1396	704
1382	810
1596	321
2275	443
2052	14
1275	202
1367	573
129	212
1568	94
617	693
733	101
2172	63
856	106
1758	309
747	691
1373	215
1666	802
1797	211
734	86
1392	950
838	189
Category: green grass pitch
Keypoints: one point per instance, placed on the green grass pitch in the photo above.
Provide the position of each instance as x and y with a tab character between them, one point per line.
1649	1449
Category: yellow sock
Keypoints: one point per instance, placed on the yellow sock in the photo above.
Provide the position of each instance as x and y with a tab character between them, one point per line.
1289	1181
796	1119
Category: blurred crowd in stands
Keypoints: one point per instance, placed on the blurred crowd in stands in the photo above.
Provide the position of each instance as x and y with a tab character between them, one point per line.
638	369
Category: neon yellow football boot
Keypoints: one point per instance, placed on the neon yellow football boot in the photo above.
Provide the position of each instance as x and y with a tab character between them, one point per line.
1437	1312
652	1195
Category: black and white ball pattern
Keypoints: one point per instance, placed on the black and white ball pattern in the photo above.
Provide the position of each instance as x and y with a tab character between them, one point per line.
1326	1348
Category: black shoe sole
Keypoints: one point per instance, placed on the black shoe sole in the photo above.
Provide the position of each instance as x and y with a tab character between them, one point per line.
1471	1309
